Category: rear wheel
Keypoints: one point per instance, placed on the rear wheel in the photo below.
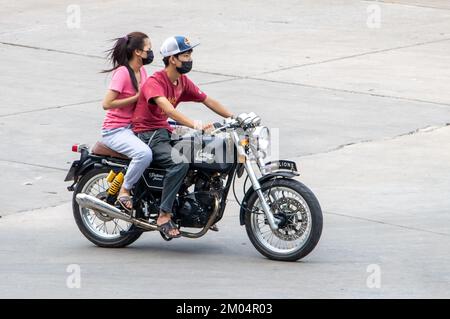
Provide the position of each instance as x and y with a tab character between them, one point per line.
300	218
102	230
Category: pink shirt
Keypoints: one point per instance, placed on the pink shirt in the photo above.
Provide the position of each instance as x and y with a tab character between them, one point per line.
121	83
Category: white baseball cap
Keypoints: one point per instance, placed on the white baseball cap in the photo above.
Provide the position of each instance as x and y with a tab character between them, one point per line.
175	45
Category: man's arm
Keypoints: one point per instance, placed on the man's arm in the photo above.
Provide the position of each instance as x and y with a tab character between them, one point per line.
217	107
171	112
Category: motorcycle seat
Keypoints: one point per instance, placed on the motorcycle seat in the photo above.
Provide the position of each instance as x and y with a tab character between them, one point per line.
101	149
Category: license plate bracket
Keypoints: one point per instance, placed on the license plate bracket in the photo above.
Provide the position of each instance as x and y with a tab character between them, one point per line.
71	174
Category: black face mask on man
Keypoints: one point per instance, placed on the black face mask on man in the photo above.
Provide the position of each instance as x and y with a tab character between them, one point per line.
149	58
186	66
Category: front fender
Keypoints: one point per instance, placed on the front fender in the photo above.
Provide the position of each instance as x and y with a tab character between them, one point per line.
262	180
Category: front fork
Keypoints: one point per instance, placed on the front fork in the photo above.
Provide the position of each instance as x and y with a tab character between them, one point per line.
273	222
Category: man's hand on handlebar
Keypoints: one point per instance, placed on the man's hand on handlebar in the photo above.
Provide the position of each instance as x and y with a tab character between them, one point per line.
208	127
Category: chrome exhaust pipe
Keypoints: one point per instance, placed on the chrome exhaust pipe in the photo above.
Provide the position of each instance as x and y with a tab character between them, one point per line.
91	202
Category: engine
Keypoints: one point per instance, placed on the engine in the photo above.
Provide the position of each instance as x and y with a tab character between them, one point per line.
195	208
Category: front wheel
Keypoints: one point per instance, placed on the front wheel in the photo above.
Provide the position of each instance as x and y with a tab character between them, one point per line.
300	216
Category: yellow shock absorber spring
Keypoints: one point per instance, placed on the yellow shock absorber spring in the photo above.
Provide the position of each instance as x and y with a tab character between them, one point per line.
116	184
111	176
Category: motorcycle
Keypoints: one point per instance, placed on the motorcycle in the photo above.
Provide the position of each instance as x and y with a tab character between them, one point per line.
282	216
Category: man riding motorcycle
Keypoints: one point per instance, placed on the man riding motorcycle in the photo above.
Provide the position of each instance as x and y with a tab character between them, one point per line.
160	95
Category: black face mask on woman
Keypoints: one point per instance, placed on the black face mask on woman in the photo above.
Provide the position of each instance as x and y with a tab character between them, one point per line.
186	66
149	58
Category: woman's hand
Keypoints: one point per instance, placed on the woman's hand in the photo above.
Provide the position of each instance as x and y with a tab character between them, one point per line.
136	96
111	102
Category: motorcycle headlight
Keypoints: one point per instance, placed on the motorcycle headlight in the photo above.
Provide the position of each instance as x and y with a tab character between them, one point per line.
261	139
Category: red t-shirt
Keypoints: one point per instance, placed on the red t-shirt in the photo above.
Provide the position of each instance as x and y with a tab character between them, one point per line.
148	116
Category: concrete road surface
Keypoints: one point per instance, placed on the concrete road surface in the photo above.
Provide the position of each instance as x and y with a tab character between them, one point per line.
360	94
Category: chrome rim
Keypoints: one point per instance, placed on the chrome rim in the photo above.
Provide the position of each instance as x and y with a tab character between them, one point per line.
98	223
293	211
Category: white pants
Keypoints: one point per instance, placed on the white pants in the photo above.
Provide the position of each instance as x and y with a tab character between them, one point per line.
123	140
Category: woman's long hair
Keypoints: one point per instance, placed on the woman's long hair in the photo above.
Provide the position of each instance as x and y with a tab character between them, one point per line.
122	51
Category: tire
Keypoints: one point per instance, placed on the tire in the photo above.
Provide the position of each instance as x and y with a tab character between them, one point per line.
120	240
315	217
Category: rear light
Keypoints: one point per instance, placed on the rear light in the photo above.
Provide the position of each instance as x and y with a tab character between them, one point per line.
75	148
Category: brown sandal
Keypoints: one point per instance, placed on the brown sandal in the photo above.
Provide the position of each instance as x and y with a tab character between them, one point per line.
123	200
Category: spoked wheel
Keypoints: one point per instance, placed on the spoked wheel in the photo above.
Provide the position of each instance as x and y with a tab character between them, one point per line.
299	215
99	228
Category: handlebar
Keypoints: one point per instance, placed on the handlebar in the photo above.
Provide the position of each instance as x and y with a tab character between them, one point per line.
219	127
